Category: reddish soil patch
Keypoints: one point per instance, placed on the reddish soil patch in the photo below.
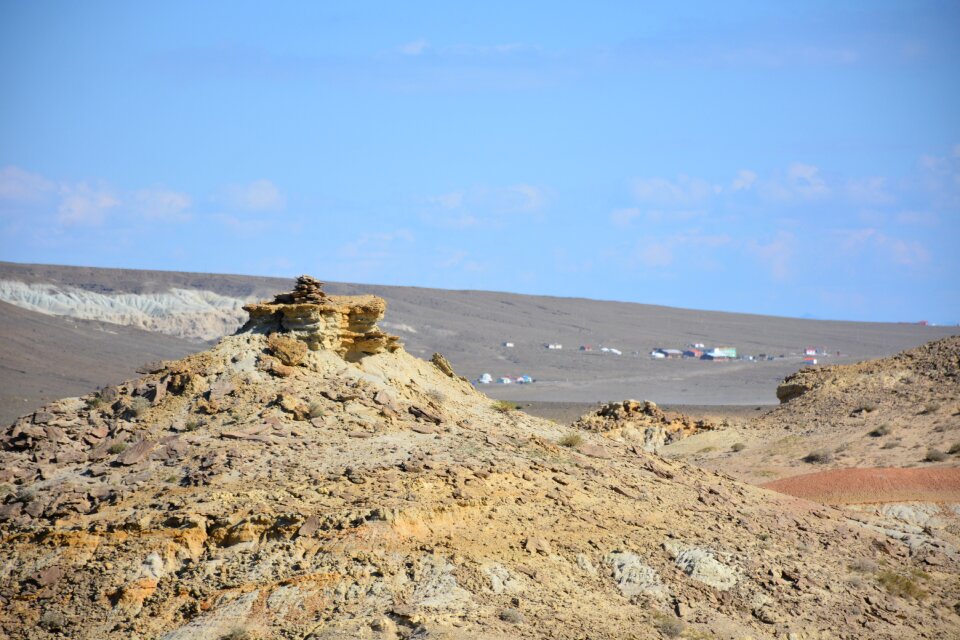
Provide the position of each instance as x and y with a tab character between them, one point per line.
853	486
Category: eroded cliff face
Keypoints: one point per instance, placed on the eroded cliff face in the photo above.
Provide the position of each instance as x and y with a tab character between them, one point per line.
346	325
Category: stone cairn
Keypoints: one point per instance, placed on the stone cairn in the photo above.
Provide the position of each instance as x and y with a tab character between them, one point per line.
308	290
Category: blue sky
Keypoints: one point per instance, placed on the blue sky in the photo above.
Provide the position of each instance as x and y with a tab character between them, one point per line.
787	158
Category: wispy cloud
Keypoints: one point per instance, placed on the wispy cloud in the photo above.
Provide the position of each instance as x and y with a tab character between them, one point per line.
478	206
162	204
83	204
775	254
684	190
376	246
900	251
259	196
19	185
414	48
744	180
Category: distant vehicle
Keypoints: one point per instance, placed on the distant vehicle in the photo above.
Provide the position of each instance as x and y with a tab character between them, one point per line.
658	354
485	378
508	345
524	379
554	346
616	352
504	381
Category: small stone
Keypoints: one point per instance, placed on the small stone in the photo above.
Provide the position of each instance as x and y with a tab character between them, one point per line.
136	453
536	544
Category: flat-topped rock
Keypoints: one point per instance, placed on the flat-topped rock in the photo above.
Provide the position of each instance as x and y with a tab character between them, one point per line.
344	324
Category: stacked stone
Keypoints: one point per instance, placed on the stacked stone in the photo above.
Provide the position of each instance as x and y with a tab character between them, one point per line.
308	290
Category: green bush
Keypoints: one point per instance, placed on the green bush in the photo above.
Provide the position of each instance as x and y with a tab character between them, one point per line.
738	446
935	455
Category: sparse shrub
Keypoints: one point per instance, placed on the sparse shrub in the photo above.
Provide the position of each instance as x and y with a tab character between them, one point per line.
139	406
172	479
820	456
954	448
935	455
512	616
437	396
892	444
315	410
505	406
27	493
738	446
117	447
94	401
933	407
883	430
864	565
191	425
866	407
668	626
237	633
900	585
707	450
572	439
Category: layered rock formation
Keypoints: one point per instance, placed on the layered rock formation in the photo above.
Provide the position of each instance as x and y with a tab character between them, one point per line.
641	421
262	489
346	325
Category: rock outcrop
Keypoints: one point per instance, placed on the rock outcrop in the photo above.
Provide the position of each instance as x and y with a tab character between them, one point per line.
349	490
641	421
346	325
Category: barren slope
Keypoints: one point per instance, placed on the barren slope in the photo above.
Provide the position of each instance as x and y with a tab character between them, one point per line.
45	357
470	327
902	411
350	490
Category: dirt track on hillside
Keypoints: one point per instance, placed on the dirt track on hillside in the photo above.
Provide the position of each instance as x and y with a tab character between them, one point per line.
854	486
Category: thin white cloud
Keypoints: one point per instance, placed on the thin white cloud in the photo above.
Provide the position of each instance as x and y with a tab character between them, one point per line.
83	204
162	204
682	191
19	185
775	254
258	196
744	180
805	179
654	255
869	191
414	48
375	246
480	206
623	217
899	251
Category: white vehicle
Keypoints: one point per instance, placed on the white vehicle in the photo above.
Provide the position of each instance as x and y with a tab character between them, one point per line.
485	378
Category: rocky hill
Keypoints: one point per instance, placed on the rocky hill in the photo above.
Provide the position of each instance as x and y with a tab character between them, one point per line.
901	411
308	478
